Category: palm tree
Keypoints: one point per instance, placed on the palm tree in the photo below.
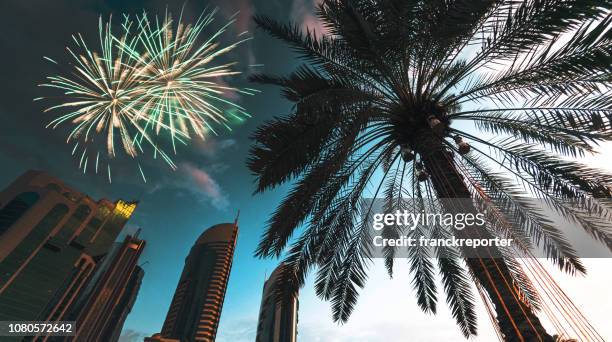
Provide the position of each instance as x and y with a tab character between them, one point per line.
381	106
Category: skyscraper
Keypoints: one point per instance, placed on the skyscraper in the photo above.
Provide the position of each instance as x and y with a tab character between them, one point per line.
103	305
127	301
278	317
51	237
196	306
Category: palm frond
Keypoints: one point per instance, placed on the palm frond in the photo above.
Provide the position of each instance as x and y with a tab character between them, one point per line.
457	287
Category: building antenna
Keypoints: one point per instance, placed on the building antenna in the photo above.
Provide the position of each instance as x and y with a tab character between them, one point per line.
236	219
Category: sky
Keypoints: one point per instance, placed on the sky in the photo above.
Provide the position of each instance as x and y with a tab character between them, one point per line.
212	182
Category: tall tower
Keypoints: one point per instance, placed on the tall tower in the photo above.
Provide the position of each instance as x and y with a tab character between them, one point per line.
127	301
103	305
277	318
51	237
196	306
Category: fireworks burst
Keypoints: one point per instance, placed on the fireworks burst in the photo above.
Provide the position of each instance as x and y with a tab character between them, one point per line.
153	81
185	92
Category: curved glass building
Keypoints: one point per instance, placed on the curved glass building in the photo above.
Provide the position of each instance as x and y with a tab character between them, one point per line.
196	306
277	318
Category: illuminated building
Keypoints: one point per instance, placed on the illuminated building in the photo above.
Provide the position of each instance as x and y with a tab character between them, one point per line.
103	305
196	306
51	239
277	316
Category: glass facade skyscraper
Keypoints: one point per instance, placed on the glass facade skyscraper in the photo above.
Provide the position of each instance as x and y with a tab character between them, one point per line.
278	317
51	238
103	305
196	306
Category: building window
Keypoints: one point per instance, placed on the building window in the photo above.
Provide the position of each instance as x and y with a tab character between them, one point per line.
14	209
79	216
29	244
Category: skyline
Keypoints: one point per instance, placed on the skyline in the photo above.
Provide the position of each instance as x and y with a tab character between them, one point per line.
379	295
210	186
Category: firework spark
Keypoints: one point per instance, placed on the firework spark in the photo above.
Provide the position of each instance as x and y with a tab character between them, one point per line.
186	94
152	80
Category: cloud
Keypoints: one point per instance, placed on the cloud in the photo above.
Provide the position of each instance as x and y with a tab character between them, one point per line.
205	185
210	146
241	11
303	12
228	92
130	335
238	330
196	181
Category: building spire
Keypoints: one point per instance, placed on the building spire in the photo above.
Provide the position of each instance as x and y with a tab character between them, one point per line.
236	219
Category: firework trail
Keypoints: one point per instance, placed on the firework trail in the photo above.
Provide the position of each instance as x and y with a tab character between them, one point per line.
186	94
153	84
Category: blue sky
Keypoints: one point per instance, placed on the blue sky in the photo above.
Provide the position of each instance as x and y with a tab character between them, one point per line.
211	184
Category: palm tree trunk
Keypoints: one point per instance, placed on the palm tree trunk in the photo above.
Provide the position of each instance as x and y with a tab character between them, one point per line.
516	320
